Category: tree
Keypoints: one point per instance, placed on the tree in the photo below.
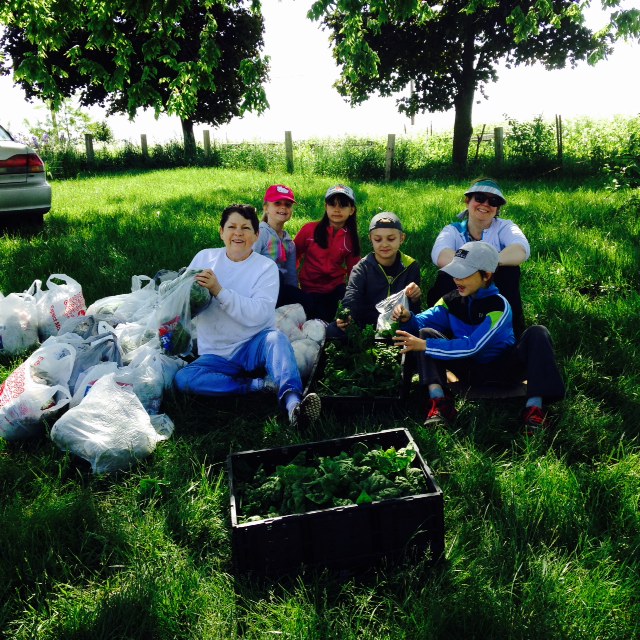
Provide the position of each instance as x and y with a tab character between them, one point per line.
197	59
451	48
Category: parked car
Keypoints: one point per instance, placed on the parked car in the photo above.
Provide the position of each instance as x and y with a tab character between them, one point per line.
25	194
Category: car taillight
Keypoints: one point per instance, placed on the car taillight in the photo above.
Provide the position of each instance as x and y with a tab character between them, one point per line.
22	163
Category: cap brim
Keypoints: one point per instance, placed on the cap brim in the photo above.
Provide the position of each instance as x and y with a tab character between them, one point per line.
489	193
458	270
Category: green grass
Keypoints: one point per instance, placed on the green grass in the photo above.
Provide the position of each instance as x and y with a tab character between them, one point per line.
542	534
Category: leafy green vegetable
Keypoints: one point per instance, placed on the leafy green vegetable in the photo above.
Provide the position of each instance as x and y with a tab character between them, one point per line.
362	366
324	482
390	332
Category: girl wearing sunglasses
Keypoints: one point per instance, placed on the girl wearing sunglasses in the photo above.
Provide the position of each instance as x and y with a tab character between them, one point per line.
481	221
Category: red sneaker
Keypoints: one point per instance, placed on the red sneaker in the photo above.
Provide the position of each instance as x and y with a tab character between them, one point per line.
534	420
441	410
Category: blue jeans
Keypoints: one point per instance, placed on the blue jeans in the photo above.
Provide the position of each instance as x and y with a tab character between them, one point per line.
212	375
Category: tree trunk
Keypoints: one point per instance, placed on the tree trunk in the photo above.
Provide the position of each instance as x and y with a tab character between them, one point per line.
189	139
463	127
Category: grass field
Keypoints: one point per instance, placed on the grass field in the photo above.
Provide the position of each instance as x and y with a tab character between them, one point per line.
542	534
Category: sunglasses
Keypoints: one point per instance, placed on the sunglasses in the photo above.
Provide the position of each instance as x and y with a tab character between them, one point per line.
481	198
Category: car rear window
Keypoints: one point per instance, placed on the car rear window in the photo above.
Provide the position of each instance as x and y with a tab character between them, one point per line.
4	134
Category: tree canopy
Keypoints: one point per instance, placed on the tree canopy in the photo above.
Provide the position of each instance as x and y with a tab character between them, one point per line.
197	59
451	48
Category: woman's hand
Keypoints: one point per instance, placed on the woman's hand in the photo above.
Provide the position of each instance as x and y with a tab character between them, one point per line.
401	314
412	290
209	280
408	342
343	324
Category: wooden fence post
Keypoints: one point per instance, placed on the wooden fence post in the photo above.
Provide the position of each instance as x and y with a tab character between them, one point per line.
207	143
498	144
391	147
88	145
143	144
288	148
559	137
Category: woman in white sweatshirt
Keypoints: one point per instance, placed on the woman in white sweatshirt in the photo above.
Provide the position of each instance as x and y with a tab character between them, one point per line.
237	332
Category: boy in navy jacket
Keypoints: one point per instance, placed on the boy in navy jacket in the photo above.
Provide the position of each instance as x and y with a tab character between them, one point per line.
470	332
381	273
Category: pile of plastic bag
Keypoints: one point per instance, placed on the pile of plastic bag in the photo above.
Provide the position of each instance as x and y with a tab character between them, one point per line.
100	373
103	407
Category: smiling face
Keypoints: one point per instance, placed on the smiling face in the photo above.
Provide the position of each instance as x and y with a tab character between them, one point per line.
238	236
277	213
481	212
339	209
386	244
471	284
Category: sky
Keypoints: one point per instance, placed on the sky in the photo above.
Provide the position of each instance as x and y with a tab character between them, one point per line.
303	101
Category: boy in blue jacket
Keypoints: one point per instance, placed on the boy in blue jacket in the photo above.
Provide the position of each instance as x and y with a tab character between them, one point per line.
470	332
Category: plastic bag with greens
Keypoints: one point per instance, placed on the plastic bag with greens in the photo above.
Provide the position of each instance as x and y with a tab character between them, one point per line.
180	300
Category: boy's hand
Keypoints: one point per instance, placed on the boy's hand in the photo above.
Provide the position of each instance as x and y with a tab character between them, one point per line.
401	314
413	292
343	324
408	342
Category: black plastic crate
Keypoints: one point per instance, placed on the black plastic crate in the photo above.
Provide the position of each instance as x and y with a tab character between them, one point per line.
344	538
393	398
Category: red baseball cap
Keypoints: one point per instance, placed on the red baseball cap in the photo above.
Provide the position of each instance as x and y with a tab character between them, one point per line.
278	192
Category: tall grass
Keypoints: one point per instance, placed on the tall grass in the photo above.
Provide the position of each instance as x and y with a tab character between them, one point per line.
589	147
542	533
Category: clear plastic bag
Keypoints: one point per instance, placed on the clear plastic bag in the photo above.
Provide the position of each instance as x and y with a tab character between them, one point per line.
385	309
179	301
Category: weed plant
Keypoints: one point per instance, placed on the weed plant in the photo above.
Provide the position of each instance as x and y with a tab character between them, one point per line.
542	533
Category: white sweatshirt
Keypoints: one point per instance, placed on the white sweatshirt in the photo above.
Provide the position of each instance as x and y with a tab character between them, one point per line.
245	305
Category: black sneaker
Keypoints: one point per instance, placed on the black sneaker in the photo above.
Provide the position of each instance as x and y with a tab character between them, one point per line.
306	412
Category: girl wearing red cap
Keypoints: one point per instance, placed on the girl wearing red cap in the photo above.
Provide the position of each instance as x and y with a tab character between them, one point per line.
275	242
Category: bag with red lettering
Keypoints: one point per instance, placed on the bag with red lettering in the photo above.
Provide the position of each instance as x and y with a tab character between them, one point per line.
61	300
38	388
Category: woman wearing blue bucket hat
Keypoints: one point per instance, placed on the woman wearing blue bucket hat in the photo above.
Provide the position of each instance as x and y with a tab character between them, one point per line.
481	221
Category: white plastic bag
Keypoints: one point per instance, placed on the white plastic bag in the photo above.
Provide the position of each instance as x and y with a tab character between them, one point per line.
128	307
133	335
169	365
18	323
109	428
56	303
147	381
306	353
35	390
289	320
385	309
88	378
315	330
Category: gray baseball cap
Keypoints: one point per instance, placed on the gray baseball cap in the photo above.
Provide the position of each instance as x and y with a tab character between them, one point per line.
385	220
472	257
340	189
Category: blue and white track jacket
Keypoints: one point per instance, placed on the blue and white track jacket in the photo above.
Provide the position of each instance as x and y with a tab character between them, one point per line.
480	326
